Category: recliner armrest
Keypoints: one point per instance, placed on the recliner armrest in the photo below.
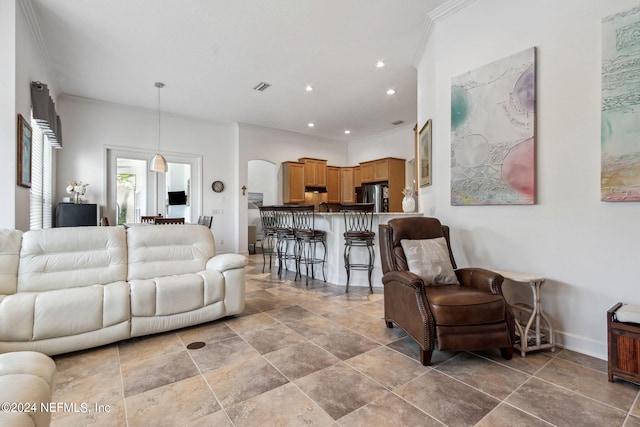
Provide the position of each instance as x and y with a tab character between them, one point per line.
404	277
481	279
224	262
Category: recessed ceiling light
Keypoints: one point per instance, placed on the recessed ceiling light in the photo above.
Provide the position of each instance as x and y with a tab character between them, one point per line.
380	64
391	92
309	88
310	124
347	132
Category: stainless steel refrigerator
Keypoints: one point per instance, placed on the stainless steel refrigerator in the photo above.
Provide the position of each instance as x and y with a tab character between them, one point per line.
378	194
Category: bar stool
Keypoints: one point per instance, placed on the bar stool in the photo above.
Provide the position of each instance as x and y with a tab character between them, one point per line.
268	221
307	240
358	222
285	237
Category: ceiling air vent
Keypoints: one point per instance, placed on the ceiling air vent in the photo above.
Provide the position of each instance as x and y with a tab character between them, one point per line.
262	86
397	122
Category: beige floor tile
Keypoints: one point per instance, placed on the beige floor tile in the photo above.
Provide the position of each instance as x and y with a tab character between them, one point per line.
149	346
591	383
449	401
289	314
387	366
222	353
632	421
251	323
302	359
104	415
485	375
315	326
340	389
90	361
561	407
174	404
238	382
209	332
584	360
345	344
273	338
216	419
508	416
530	364
377	331
283	406
409	347
146	374
388	410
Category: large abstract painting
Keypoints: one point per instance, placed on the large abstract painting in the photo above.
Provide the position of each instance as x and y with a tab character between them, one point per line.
493	133
620	176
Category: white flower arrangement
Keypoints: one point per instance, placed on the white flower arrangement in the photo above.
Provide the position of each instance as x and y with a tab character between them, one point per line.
79	188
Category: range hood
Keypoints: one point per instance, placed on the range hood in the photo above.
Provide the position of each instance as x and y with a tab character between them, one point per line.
315	189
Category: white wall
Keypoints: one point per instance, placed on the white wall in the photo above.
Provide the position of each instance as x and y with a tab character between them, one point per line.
21	63
8	120
90	126
398	142
587	249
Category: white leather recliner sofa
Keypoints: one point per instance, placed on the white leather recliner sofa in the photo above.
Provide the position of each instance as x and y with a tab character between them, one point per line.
68	289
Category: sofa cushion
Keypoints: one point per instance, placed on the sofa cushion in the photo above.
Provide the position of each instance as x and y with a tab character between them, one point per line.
72	257
170	295
10	241
168	250
429	259
26	378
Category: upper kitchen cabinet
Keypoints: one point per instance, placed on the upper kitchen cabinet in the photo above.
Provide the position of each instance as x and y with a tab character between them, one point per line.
347	186
315	172
293	182
333	184
381	169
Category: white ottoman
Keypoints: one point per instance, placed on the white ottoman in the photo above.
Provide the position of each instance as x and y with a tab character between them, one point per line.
26	378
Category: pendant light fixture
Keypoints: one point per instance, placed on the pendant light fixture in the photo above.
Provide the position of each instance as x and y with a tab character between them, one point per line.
158	162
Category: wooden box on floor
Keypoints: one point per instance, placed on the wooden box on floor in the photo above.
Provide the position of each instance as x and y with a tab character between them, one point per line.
623	347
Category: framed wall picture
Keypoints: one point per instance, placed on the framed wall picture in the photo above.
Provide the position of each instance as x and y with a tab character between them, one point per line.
423	154
24	152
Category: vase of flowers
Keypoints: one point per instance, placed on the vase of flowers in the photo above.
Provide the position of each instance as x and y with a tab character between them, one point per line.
408	203
77	189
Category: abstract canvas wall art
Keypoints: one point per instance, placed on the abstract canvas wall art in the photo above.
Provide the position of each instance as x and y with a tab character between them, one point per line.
620	117
493	133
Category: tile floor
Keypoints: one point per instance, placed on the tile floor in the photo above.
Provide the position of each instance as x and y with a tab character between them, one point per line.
314	356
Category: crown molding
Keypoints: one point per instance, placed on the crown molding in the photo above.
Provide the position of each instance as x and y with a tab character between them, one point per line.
437	14
34	25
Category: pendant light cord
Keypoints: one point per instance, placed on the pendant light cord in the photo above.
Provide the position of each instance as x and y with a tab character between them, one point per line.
159	86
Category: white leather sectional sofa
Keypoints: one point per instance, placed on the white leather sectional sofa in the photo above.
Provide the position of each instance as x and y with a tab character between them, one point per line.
67	289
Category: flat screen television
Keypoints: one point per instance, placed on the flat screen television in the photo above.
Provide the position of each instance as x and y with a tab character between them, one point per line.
177	198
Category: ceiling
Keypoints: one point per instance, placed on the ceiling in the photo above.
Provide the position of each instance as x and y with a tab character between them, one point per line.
212	53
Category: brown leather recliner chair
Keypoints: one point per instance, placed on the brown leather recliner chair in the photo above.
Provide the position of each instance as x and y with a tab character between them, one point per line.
470	316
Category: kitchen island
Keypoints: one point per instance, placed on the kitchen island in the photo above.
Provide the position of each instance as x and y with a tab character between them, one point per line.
333	224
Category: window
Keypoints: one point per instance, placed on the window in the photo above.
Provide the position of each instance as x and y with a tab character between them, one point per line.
40	215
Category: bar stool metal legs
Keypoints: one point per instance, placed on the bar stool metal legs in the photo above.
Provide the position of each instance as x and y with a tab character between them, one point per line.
267	219
358	222
307	241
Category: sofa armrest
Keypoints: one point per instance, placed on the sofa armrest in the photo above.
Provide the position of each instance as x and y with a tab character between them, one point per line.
224	262
481	279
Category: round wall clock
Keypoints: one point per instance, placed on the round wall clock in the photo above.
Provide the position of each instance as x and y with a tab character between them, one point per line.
217	186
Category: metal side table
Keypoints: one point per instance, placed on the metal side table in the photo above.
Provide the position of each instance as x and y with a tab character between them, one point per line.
535	339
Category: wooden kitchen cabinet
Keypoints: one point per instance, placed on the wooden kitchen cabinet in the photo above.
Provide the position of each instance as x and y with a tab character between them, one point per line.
347	187
315	172
333	184
293	182
366	172
357	177
390	170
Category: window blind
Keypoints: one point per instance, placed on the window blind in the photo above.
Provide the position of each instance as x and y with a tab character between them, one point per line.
40	214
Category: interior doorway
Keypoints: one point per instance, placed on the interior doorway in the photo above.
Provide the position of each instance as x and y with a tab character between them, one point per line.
263	190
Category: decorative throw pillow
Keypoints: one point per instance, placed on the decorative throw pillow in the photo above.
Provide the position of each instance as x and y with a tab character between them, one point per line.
430	260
